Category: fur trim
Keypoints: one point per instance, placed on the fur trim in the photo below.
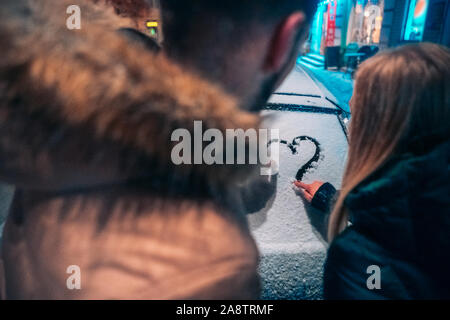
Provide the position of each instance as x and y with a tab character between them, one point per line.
91	100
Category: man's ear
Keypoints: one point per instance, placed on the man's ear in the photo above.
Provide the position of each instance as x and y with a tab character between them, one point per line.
283	41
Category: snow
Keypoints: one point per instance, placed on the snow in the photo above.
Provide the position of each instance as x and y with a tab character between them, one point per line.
292	251
337	83
299	75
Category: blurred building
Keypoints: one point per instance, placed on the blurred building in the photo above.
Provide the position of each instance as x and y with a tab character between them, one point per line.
344	26
416	20
153	24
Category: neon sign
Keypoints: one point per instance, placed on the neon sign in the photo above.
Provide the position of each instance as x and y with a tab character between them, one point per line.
331	25
415	23
152	27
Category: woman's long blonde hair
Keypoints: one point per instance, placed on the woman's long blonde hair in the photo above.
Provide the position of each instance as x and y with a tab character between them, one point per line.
399	96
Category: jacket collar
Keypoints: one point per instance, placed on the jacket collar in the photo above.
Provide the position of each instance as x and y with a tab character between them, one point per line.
90	107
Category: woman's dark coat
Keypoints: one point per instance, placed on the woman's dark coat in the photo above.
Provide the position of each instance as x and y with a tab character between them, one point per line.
400	222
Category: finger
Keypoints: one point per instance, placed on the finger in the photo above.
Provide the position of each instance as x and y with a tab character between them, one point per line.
303	185
307	195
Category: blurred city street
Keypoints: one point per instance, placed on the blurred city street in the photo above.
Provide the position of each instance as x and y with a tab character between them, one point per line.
339	83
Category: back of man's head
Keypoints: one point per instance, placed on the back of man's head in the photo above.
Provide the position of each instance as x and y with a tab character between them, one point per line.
247	46
192	24
242	44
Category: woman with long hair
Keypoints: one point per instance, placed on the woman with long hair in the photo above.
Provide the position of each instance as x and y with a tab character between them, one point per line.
389	226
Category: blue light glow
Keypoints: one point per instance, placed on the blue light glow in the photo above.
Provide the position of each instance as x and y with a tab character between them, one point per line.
415	24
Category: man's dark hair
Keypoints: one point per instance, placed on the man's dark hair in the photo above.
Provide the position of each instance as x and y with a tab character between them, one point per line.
189	22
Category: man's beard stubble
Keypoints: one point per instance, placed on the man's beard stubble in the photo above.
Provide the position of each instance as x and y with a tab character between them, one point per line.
266	91
270	85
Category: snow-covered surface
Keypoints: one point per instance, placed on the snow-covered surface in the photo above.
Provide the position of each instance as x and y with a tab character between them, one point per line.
336	83
301	100
302	82
292	251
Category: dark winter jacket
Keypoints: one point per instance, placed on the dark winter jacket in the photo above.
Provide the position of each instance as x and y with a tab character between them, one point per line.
86	118
400	222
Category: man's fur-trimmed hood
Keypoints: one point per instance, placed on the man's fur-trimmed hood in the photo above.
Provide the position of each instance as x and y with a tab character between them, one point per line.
87	107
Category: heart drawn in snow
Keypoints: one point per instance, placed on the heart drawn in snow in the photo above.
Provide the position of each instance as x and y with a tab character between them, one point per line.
293	146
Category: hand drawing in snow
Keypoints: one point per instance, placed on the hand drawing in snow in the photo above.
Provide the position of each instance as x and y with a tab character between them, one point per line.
312	146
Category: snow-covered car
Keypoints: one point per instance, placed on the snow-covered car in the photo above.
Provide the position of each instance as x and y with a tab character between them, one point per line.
313	147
